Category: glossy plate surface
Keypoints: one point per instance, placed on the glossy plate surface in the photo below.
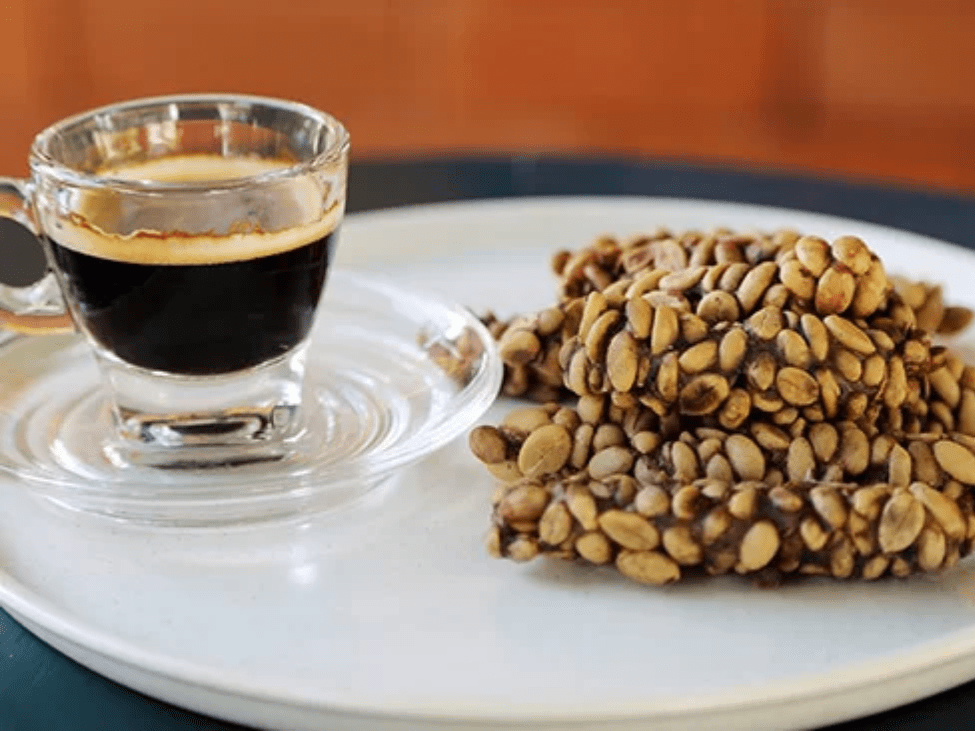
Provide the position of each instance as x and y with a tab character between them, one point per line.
385	613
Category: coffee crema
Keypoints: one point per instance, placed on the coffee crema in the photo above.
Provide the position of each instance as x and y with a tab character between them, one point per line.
198	304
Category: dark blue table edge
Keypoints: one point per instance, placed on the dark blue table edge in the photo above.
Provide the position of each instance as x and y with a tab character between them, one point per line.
41	690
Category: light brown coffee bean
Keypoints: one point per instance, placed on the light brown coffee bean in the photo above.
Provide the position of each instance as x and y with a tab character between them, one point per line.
699	357
733	276
785	500
652	501
766	323
899	466
666	328
709	447
597	338
488	445
874	371
758	546
796	386
793	348
622	361
506	471
629	530
966	412
813	534
647	281
829	392
555	524
736	409
686	502
824	439
545	451
860	531
718	306
639	317
582	505
719	468
591	408
799	461
524	502
786	416
880	449
526	419
492	542
848	364
954	320
523	549
761	371
594	308
956	460
647	567
754	284
668	378
842	558
834	292
693	329
900	523
712	278
577	375
931	549
875	567
715	524
519	346
896	390
679	543
745	457
685	462
645	441
704	394
608	435
610	461
581	445
742	503
797	278
854	453
829	505
871	291
852	253
814	253
683	280
943	509
769	437
925	467
849	335
945	386
594	547
732	350
817	336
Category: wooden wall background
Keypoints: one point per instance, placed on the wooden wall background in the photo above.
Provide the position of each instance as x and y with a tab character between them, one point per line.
878	89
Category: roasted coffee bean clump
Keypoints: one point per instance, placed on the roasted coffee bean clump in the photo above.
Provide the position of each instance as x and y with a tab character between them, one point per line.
766	404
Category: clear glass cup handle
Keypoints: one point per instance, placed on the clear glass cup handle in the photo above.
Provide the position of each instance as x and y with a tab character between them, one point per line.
37	308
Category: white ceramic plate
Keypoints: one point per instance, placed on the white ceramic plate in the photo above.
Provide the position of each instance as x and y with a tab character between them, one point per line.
387	614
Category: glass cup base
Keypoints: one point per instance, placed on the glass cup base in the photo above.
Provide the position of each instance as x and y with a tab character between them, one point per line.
183	422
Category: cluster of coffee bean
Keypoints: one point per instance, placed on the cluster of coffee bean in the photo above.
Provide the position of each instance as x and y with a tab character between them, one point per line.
762	404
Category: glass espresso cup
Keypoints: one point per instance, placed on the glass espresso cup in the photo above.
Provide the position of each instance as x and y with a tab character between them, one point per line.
188	240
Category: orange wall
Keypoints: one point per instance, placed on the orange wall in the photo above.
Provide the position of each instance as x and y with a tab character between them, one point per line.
869	88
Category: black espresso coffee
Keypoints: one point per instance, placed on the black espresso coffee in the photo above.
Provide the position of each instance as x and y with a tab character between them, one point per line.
195	305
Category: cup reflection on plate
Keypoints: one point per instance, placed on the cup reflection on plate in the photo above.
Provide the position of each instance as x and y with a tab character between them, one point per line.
190	239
